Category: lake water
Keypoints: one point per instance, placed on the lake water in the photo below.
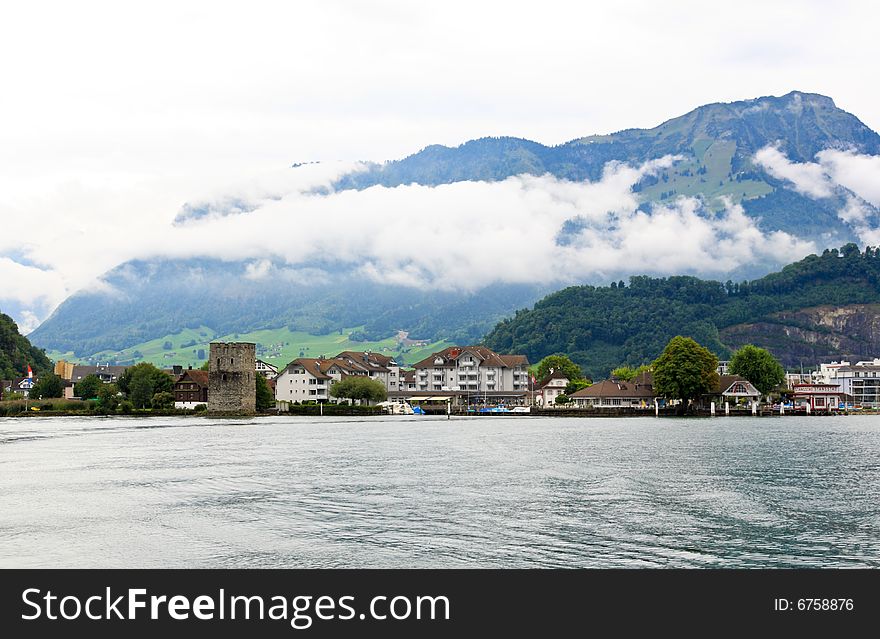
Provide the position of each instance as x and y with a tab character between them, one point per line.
426	492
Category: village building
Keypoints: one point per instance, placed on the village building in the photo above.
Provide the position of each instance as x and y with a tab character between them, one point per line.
308	379
820	397
546	391
473	369
106	373
614	393
22	385
267	370
375	365
191	389
733	390
407	381
860	380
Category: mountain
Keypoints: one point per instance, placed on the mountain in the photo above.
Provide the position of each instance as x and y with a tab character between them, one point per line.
819	308
142	300
16	352
717	143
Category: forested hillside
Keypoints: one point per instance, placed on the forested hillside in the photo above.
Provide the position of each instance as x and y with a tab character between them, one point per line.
16	352
629	323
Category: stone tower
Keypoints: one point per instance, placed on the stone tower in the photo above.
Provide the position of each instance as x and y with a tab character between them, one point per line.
232	385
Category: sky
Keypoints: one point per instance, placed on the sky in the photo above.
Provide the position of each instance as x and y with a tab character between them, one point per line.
114	115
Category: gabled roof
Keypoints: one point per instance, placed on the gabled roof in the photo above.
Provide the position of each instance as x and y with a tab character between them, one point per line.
197	376
613	388
487	357
554	375
310	364
725	382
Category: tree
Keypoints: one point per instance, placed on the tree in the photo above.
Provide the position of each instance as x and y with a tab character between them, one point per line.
163	400
560	364
108	395
684	371
265	396
576	385
563	399
49	385
628	373
88	387
759	367
360	388
206	366
159	380
167	346
141	391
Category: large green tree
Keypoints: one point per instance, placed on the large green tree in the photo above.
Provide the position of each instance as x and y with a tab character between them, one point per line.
88	387
265	397
160	381
628	373
359	387
684	371
561	364
758	366
47	386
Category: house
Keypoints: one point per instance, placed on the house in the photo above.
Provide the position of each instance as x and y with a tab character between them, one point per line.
548	389
308	379
735	390
614	393
22	385
191	389
266	369
820	397
376	366
106	373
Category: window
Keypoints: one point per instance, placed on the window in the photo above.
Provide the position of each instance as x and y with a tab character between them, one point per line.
218	362
820	401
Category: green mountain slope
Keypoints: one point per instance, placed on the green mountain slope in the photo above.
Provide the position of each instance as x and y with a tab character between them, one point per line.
602	327
16	352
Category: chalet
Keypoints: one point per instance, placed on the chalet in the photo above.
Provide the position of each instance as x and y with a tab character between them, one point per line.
614	393
407	381
191	389
820	397
548	389
734	390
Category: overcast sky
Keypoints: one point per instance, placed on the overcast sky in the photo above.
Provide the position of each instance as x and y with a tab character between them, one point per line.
113	115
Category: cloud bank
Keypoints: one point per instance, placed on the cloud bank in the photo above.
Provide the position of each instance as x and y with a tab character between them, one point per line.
850	176
461	236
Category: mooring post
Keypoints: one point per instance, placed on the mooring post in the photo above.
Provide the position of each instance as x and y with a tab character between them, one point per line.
727	409
754	408
656	409
712	408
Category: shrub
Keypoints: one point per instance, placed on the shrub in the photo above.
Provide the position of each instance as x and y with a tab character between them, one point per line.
126	407
200	408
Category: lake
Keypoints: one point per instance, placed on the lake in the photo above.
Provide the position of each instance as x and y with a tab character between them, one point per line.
301	492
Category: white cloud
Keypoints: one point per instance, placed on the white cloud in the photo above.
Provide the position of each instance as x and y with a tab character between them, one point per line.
460	236
853	176
807	177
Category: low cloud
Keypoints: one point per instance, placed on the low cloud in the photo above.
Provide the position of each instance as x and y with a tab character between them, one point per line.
852	176
460	236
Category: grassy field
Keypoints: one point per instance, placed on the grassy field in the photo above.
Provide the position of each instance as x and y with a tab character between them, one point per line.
279	346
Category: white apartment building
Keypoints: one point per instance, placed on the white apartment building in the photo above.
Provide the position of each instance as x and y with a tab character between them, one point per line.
861	380
308	379
473	369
